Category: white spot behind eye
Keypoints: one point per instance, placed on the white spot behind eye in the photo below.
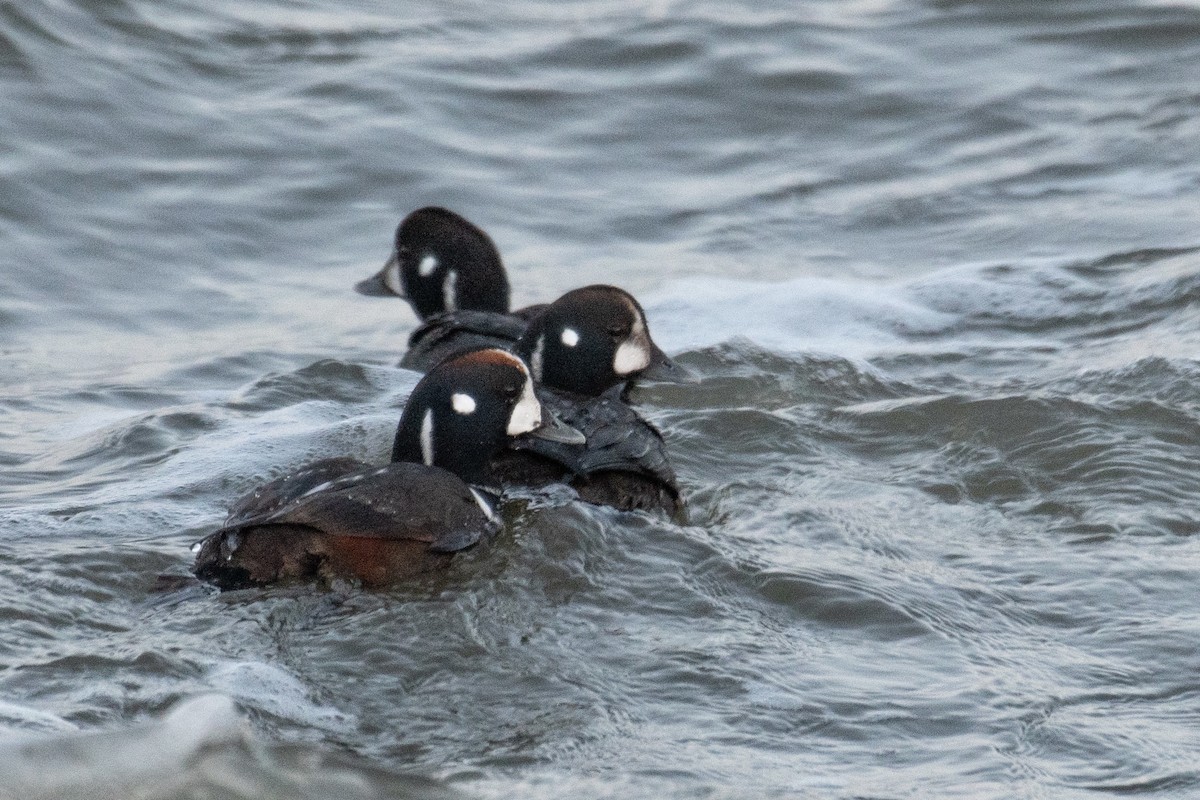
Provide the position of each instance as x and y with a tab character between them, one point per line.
449	296
427	437
526	414
428	264
569	337
535	360
463	403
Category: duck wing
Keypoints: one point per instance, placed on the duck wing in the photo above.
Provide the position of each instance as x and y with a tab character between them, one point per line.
396	501
276	494
618	439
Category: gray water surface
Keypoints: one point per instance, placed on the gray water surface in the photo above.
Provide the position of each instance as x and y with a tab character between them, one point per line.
935	262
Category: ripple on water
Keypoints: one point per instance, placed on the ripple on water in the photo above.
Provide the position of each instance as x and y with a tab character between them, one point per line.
934	262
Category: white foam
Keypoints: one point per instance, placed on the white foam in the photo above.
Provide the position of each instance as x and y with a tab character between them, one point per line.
271	689
119	763
851	318
16	718
237	452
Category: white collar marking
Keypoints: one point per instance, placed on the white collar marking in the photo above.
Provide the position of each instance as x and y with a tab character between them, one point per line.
449	295
427	438
535	360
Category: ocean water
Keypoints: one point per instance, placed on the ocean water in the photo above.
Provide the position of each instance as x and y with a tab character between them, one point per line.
936	264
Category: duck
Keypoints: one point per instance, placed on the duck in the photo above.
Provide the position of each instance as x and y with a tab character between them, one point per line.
572	344
442	262
344	519
585	342
622	464
583	350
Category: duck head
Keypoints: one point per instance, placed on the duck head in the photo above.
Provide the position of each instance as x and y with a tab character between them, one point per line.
441	262
592	339
466	409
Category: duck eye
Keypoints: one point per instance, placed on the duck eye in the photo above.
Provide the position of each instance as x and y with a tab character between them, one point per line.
510	391
618	331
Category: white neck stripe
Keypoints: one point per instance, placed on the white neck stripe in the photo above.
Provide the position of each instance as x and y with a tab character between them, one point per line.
449	293
427	438
535	360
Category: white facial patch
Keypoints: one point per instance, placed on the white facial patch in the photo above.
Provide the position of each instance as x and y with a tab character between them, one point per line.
535	359
427	438
428	264
569	337
634	352
391	275
463	403
449	293
526	414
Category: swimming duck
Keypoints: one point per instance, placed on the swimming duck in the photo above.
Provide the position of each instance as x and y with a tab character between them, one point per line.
623	464
342	518
442	262
582	345
583	349
585	342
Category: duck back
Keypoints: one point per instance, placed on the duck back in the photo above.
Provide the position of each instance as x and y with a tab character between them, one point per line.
374	524
624	463
454	333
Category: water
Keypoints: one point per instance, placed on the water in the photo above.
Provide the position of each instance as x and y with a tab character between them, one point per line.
936	263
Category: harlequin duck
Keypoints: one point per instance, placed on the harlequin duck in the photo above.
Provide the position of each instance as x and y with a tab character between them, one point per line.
584	342
442	262
623	464
447	262
341	518
582	349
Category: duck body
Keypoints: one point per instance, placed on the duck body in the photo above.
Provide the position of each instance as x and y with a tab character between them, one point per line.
453	333
624	463
371	524
342	518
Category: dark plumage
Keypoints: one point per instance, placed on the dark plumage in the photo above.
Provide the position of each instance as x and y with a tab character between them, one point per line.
582	349
441	262
609	345
624	463
585	342
341	518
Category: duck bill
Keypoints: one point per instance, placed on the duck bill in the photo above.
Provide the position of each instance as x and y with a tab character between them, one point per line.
554	429
663	369
385	283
